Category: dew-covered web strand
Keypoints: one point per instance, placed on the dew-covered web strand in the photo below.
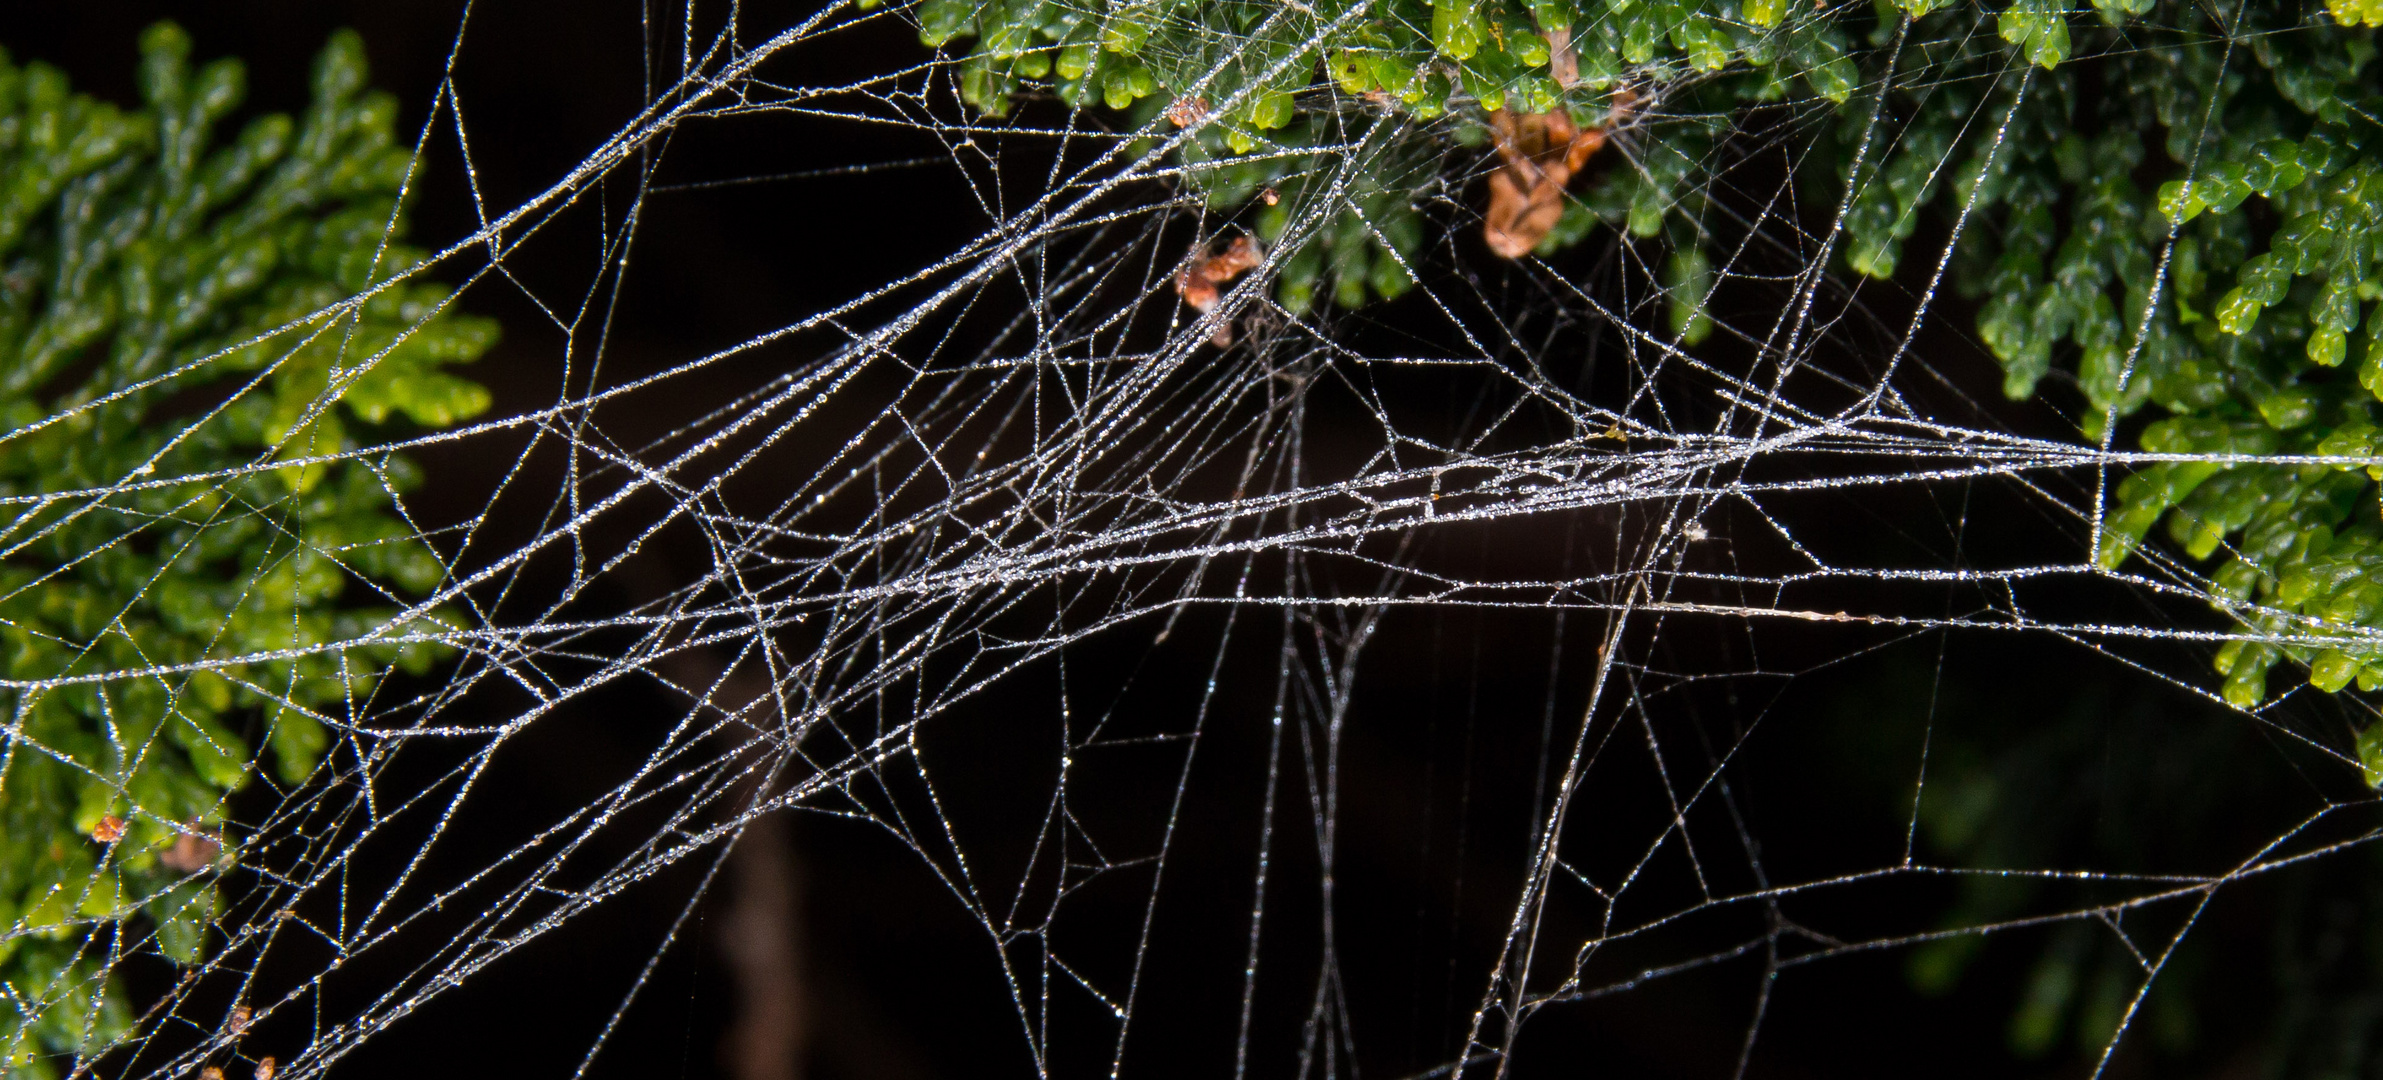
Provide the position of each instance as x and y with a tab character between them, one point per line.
1021	498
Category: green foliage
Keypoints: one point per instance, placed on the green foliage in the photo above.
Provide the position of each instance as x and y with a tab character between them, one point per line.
1365	226
1367	127
163	315
2274	213
2040	28
2188	212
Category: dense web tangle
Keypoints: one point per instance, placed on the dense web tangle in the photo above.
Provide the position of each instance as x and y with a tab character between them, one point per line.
1086	597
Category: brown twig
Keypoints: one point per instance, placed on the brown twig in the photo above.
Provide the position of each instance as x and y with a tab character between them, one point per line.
1562	62
760	933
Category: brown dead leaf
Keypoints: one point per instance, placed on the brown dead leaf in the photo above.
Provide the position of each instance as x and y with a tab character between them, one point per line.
1183	112
192	852
1200	281
1542	153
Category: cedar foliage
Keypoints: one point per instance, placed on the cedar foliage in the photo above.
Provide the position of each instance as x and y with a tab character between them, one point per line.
2100	157
194	331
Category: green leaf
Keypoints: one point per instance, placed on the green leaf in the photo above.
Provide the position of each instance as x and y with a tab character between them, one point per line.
2327	346
2039	28
1687	284
1457	28
2370	754
2237	310
2356	12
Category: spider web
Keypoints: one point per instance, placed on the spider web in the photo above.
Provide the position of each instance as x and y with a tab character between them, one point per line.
1003	558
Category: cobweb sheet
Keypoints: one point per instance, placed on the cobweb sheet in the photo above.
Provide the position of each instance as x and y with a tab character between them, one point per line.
1006	559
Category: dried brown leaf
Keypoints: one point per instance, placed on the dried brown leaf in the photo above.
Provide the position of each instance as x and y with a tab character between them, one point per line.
192	852
1200	282
1540	153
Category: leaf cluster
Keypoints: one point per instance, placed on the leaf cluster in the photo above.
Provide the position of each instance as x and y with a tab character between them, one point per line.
1338	108
2169	208
195	334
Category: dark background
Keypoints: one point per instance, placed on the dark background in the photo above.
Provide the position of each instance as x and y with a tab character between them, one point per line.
1446	732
